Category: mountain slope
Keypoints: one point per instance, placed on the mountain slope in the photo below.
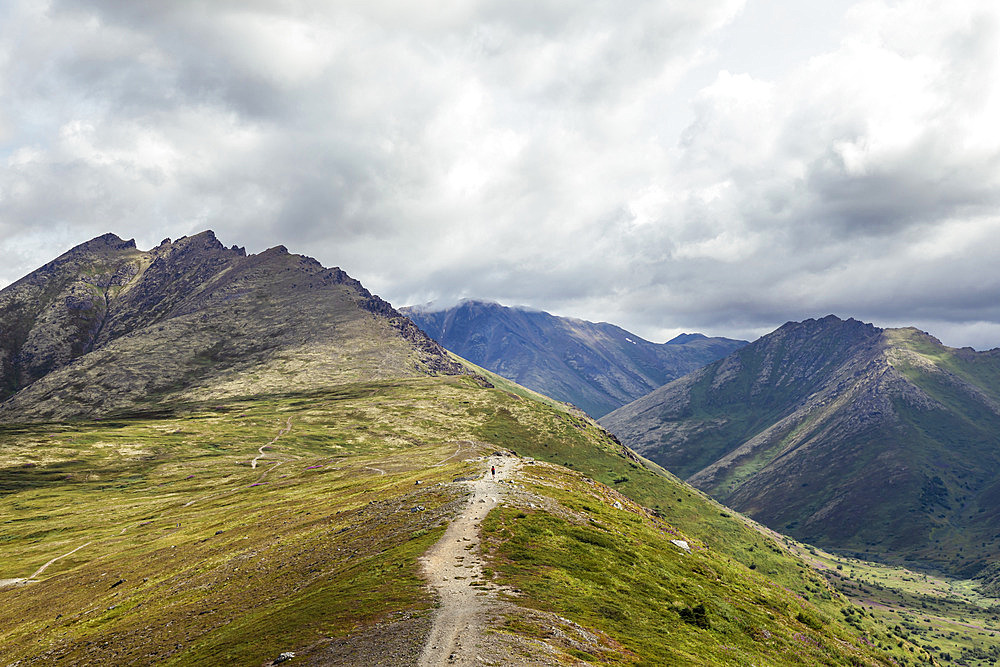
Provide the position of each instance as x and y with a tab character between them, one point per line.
595	366
200	525
106	327
881	442
166	546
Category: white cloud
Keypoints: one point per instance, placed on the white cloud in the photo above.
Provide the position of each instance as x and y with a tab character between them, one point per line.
620	166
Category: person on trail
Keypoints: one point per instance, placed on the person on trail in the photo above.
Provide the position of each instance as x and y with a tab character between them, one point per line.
493	470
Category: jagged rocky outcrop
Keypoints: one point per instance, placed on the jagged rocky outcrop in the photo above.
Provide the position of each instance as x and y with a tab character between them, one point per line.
595	366
878	441
107	327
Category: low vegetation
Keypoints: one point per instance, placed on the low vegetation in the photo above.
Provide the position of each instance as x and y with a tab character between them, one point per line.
164	544
952	619
189	554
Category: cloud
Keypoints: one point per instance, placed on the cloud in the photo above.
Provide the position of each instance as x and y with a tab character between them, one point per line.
572	156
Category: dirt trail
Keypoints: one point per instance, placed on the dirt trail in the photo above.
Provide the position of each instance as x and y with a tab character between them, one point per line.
260	451
30	579
445	460
44	567
453	564
253	465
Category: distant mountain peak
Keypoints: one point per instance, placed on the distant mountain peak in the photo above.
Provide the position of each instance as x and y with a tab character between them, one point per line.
595	366
827	322
680	339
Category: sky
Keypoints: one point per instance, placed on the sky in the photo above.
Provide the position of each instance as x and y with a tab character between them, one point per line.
686	165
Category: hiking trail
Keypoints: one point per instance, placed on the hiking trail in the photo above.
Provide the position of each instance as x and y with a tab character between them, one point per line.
253	465
452	565
260	451
33	576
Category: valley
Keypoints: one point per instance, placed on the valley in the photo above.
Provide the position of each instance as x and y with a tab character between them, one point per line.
950	618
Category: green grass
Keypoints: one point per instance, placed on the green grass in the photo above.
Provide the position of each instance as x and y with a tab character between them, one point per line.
615	571
192	557
950	618
321	545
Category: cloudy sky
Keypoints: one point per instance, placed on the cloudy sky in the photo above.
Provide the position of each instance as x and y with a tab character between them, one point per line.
672	165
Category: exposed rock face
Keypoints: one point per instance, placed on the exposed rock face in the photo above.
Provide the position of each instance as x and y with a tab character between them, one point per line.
597	367
834	431
106	327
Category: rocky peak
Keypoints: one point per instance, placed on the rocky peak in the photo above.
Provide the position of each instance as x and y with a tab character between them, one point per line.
117	324
203	242
797	356
831	325
104	242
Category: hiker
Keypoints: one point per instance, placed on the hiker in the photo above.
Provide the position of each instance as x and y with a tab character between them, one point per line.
493	470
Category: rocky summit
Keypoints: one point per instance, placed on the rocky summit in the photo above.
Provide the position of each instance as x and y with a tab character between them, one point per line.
882	442
106	327
595	366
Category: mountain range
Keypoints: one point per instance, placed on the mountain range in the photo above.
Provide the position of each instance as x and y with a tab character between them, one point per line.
882	442
209	457
595	366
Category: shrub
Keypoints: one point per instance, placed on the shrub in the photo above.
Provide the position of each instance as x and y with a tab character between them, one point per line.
695	615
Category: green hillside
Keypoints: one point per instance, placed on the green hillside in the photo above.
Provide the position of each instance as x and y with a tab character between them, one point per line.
164	545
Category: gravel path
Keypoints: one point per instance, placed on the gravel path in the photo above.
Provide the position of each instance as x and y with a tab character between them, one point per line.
453	564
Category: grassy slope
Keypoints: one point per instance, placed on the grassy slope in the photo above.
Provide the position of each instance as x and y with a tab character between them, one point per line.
754	569
961	491
317	545
258	563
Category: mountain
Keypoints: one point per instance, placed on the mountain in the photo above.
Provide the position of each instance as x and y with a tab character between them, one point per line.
285	468
595	366
882	442
106	327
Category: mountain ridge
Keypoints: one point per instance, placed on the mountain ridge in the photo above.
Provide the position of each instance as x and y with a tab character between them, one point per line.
105	326
841	434
595	366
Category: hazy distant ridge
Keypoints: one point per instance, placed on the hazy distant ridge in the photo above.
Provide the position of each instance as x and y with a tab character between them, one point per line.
596	366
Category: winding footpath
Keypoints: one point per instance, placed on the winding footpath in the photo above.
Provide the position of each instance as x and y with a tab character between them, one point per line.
44	567
453	564
253	465
260	451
